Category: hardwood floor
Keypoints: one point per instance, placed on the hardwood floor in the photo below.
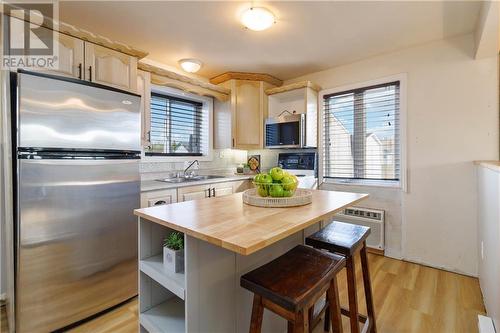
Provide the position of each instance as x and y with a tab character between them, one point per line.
408	298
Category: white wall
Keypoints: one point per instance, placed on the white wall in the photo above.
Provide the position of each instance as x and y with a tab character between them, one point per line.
489	236
452	119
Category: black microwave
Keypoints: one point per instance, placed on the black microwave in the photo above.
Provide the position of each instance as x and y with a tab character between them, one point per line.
287	131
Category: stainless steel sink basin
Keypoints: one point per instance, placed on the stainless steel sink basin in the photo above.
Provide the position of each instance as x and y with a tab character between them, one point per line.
177	180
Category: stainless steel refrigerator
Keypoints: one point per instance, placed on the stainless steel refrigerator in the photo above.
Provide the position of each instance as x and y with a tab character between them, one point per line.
76	183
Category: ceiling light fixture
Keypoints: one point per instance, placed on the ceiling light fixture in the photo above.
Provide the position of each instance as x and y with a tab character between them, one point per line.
190	65
257	18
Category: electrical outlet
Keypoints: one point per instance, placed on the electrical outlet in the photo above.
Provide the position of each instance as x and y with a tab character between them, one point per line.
221	154
482	250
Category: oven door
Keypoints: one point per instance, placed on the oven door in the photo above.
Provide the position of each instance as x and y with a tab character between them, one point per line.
285	134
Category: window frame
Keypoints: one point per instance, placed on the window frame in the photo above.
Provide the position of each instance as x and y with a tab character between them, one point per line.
207	107
402	183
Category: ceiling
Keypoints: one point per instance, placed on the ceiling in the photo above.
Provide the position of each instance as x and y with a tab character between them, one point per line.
308	36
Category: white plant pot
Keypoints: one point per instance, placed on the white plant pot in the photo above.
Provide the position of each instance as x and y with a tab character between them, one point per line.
173	260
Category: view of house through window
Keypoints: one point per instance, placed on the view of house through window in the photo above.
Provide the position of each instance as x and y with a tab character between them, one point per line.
361	133
176	126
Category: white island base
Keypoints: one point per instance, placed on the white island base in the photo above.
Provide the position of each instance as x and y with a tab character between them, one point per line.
207	297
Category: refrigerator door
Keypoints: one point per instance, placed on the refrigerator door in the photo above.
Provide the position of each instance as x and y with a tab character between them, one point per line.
77	239
57	112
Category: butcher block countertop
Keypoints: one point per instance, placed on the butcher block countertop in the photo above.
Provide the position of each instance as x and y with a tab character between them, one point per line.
229	223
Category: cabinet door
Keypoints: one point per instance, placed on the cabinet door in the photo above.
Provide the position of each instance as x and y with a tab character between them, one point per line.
70	55
110	67
222	189
144	89
248	114
192	192
156	198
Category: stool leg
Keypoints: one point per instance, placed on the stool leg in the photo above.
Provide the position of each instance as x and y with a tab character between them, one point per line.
301	324
326	325
368	289
310	318
352	293
257	313
334	306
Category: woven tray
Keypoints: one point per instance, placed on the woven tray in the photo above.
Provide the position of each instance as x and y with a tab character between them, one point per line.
300	198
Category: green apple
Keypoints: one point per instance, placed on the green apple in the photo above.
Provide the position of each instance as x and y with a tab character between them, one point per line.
262	191
256	178
287	193
265	179
276	173
288	183
276	191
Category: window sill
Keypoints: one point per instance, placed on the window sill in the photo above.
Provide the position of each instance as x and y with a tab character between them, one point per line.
364	182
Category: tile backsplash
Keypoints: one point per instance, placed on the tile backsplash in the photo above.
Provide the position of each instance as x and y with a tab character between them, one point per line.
224	161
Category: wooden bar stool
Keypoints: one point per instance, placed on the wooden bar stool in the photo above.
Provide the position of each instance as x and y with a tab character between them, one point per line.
347	239
291	284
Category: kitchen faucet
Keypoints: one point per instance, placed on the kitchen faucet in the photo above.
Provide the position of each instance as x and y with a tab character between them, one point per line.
190	165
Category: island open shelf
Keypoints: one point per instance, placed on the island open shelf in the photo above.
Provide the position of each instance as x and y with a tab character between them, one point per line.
223	239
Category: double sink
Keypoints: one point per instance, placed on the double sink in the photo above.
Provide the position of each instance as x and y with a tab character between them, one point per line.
184	179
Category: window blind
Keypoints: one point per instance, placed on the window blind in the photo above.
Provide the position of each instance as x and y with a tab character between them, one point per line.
176	126
361	134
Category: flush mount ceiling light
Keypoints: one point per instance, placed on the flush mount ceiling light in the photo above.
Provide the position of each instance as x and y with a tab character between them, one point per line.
190	65
257	18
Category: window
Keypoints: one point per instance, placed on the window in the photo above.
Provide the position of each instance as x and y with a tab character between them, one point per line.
361	134
178	127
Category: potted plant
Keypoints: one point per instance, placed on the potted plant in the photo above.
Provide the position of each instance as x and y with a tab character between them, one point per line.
173	252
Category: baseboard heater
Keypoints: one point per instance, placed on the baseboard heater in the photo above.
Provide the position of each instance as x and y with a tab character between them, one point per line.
373	218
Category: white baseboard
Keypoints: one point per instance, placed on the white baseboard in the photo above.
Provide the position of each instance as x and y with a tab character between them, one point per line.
443	268
485	324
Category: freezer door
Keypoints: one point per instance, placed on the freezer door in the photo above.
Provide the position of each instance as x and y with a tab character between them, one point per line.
64	113
77	240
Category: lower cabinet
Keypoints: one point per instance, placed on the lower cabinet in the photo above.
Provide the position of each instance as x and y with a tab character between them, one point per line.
187	193
193	192
157	198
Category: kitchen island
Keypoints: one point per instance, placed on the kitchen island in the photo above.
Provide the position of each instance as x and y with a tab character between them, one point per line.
224	239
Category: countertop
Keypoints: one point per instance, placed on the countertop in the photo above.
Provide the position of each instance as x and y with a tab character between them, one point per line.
493	165
152	185
229	223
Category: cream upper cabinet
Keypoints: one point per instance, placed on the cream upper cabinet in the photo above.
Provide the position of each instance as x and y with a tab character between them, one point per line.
248	115
110	67
248	107
70	56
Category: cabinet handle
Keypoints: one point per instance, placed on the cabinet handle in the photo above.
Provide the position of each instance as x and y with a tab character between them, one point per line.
209	193
90	73
80	71
233	143
213	192
160	202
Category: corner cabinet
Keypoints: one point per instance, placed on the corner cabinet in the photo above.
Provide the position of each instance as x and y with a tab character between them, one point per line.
109	67
244	115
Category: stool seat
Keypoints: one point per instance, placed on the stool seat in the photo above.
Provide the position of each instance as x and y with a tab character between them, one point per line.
339	237
292	279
